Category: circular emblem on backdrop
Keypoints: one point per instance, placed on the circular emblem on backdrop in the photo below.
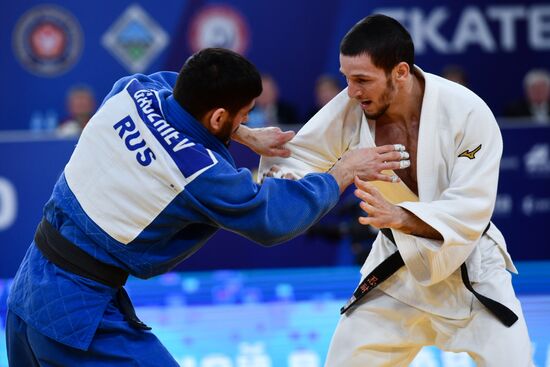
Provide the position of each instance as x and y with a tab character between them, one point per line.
219	26
47	40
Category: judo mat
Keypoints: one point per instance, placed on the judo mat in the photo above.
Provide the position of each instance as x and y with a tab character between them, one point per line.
281	317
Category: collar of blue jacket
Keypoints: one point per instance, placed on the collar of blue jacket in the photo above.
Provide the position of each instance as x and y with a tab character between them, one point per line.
187	124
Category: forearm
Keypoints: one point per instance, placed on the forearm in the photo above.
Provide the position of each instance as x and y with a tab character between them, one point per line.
409	223
242	134
266	141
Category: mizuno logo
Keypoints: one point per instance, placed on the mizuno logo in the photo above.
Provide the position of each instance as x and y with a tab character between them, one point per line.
471	154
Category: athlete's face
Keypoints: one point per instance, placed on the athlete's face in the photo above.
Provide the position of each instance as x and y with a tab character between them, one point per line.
233	121
369	85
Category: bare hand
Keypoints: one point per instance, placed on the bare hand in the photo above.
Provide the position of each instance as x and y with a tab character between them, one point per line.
266	141
381	213
368	163
276	172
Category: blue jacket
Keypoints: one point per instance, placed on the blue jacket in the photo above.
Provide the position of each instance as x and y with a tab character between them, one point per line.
146	187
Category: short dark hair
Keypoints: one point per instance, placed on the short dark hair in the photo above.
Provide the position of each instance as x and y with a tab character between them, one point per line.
383	38
216	78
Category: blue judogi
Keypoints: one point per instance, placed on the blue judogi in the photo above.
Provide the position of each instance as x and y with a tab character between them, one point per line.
146	187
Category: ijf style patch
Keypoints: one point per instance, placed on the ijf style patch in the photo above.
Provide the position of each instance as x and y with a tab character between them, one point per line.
135	39
47	40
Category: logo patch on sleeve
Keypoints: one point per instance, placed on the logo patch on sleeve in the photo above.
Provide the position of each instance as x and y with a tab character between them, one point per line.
470	154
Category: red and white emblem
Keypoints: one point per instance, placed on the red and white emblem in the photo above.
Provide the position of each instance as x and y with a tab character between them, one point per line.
47	40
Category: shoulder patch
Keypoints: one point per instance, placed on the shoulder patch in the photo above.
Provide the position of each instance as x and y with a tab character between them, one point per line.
470	154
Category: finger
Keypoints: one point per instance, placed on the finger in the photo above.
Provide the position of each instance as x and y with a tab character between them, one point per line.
279	152
399	147
359	183
285	137
385	149
369	222
368	193
290	176
396	165
363	195
372	193
387	178
366	186
364	220
390	148
394	156
367	208
273	172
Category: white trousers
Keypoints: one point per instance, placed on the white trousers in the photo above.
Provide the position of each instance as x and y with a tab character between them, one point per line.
385	332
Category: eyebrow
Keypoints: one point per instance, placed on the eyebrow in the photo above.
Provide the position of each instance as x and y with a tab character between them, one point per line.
361	76
355	75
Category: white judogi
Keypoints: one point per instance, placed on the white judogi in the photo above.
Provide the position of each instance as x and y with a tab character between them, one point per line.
458	157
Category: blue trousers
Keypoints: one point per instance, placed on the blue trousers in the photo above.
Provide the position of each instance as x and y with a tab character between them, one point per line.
115	343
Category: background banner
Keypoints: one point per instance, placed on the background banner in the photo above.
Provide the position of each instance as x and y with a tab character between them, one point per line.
50	47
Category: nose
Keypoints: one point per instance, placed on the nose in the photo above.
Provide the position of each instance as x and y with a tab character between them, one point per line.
353	90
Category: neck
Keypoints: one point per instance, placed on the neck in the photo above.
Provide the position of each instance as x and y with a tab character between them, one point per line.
407	103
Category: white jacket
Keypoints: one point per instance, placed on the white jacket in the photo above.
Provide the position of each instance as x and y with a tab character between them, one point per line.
456	193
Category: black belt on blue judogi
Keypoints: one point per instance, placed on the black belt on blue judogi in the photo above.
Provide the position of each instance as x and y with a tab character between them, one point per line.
72	258
394	262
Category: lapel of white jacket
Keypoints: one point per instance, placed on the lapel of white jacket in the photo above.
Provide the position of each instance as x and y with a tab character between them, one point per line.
428	149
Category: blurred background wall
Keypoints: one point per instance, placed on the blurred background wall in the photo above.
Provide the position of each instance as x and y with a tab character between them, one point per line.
60	58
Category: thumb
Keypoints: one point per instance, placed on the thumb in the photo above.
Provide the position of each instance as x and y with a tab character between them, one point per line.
286	136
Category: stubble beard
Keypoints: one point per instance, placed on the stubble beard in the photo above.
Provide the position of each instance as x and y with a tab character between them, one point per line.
385	98
224	135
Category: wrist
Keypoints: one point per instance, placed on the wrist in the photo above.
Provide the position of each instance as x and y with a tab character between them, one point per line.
241	134
402	217
343	176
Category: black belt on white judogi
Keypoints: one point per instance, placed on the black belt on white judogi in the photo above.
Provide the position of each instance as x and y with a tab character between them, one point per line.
393	263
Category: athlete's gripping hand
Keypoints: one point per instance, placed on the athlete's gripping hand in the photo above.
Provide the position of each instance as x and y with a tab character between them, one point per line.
369	163
276	172
383	158
266	141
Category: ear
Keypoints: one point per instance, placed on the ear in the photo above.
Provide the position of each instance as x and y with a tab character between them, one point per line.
216	119
401	71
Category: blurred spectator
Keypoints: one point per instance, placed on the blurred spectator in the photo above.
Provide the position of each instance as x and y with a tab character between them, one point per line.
270	110
326	88
455	74
536	102
81	106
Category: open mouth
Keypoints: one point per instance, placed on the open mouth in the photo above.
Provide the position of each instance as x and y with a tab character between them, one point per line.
366	104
